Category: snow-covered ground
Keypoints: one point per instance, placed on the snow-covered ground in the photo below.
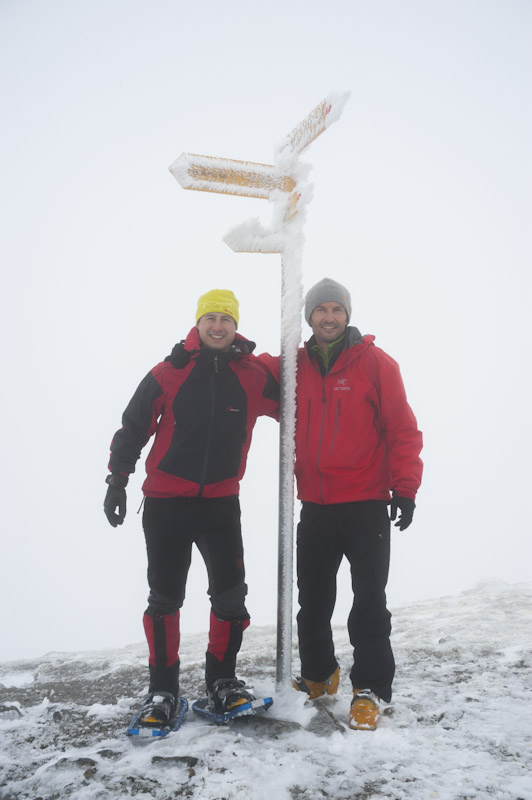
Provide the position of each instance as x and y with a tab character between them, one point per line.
459	726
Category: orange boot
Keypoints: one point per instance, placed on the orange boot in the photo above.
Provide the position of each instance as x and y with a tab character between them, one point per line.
365	711
316	689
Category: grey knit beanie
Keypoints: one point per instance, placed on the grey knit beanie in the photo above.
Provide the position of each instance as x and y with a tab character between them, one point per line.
327	291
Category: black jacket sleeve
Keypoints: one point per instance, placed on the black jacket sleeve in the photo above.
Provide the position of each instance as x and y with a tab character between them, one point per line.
138	424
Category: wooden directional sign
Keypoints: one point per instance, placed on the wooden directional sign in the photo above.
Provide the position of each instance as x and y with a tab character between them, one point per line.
251	179
309	128
229	176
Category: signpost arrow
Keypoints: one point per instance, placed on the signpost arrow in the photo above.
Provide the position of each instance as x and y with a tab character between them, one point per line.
228	176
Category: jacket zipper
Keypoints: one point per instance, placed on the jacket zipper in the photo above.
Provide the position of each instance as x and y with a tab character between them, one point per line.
211	427
308	420
336	421
320	440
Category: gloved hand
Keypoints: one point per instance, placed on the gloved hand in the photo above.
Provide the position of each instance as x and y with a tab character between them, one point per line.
115	498
406	505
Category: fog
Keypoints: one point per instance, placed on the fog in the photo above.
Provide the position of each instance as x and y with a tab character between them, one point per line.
421	208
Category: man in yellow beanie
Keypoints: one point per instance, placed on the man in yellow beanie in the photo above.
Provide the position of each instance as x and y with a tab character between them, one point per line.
217	319
218	301
201	403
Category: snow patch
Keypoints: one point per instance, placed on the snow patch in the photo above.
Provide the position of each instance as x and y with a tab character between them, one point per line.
16	679
458	726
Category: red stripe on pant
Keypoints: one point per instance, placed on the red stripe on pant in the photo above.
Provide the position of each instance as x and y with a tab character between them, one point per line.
163	636
220	635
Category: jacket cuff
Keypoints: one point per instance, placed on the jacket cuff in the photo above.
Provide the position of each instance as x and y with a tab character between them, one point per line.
404	493
117	479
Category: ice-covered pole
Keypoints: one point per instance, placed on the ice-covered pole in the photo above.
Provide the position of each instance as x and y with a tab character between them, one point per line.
291	293
285	186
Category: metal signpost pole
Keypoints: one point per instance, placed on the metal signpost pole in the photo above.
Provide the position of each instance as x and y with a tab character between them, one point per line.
284	185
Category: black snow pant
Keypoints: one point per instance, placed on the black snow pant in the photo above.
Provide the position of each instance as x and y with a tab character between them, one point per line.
361	532
171	527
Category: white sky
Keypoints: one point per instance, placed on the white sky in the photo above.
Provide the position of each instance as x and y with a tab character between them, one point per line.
421	207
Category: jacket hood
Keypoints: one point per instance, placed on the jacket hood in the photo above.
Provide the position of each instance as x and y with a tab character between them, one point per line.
352	337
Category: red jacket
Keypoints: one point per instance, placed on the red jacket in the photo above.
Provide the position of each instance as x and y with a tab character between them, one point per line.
356	435
202	406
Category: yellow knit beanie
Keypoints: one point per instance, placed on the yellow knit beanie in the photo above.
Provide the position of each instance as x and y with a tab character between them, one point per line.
218	301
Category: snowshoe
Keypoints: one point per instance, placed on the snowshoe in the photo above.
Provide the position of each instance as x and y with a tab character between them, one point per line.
161	713
229	693
229	699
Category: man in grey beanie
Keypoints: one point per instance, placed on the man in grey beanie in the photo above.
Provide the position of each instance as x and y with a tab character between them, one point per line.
357	450
325	291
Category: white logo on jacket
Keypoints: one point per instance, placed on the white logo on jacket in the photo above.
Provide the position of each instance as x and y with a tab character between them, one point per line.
340	385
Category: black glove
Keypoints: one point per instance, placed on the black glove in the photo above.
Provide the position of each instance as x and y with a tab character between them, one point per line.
115	498
406	506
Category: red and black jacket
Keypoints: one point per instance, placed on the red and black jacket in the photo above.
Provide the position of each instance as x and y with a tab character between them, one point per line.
201	405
